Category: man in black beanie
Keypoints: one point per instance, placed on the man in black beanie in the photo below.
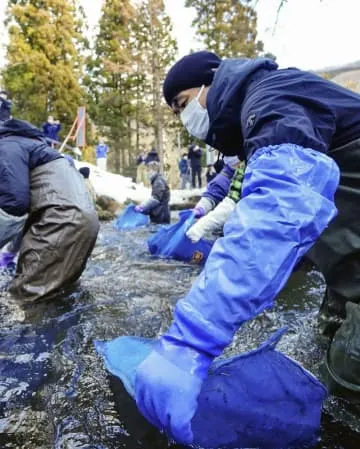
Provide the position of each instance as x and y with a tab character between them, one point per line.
297	134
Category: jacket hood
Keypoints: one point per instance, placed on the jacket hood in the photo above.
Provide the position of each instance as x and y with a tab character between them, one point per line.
225	99
21	128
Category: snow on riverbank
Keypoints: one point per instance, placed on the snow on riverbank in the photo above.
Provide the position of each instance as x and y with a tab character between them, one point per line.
121	188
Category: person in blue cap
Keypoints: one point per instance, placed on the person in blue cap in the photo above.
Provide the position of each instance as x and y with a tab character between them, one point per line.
299	136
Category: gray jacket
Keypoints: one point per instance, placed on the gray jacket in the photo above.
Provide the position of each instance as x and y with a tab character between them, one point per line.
158	205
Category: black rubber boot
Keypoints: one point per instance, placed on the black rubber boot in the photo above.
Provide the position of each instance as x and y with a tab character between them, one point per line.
341	368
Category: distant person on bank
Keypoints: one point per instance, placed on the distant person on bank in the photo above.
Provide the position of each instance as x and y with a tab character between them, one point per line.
51	129
184	169
102	151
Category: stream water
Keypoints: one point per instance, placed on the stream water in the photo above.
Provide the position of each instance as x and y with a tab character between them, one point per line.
54	390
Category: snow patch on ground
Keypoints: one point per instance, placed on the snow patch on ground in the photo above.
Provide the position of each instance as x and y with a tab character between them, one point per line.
121	188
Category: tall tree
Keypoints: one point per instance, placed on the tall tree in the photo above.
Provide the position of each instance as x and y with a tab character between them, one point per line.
133	49
227	27
110	78
44	65
158	51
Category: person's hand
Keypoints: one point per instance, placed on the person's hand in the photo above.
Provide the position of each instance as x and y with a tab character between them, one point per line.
167	386
198	212
139	209
193	233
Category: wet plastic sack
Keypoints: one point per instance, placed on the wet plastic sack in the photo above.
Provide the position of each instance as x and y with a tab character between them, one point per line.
171	241
259	399
130	219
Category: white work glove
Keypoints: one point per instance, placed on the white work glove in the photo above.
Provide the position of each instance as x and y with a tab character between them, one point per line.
213	221
10	226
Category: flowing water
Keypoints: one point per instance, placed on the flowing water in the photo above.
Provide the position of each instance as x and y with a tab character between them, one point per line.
54	390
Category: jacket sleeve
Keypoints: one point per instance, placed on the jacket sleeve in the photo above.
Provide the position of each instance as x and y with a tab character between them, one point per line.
287	202
15	178
157	194
218	188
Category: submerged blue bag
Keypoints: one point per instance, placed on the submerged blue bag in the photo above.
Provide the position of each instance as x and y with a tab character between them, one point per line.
171	241
259	399
130	219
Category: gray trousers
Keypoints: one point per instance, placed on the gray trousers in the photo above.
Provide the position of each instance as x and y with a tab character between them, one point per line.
184	180
59	234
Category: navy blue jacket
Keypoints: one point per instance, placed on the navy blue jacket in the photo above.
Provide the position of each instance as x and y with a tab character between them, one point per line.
22	148
51	130
152	156
5	109
194	156
253	104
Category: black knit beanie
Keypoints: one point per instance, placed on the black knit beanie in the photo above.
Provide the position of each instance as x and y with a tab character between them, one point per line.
194	70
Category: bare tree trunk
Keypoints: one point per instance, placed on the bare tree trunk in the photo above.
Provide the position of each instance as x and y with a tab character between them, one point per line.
158	122
137	120
117	164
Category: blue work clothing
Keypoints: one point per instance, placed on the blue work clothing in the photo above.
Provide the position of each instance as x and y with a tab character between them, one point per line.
280	208
253	104
300	136
51	130
101	151
184	166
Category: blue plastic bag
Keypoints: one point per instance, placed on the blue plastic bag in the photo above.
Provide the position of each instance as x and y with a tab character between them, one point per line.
171	241
130	219
259	399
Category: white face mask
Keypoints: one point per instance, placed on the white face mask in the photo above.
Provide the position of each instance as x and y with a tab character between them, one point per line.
195	118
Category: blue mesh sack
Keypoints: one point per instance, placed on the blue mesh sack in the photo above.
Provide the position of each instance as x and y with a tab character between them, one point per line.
171	241
260	399
130	219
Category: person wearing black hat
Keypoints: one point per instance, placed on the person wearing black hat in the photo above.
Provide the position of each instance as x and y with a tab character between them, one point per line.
299	136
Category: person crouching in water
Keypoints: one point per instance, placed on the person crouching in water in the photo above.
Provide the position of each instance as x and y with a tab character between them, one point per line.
44	199
157	207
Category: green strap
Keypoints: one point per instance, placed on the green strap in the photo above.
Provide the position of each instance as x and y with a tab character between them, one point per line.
236	183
